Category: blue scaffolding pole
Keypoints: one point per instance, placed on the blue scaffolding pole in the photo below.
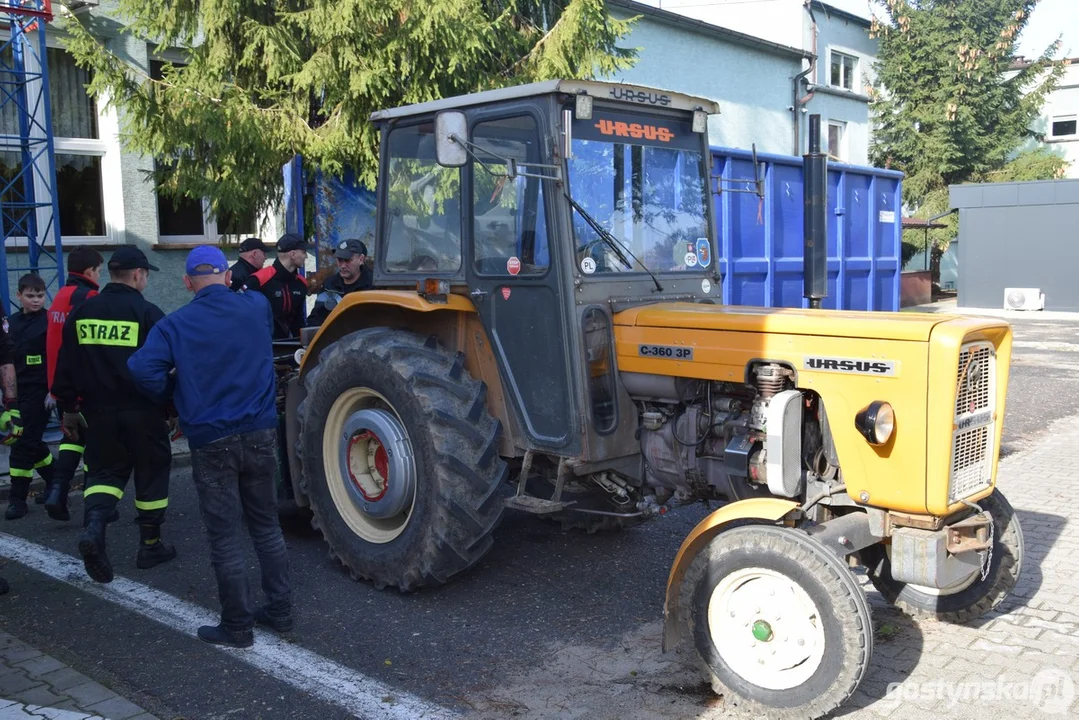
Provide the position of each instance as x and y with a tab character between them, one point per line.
29	211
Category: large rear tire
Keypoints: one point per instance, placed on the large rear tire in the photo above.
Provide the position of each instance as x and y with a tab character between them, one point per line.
967	600
400	459
779	621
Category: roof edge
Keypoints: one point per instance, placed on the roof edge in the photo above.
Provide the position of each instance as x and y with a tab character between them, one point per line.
705	28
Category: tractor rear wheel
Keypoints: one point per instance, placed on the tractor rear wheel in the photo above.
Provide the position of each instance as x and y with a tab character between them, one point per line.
400	459
970	598
779	621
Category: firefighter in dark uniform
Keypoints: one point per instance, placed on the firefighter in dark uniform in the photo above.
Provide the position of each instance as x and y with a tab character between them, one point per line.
125	430
252	258
10	421
284	287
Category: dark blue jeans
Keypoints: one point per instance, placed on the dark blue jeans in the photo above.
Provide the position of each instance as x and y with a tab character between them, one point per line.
234	477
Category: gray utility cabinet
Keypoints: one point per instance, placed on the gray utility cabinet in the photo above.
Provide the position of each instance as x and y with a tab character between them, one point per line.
1018	235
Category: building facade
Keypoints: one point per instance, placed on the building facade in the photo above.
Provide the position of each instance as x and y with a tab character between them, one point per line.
1058	125
769	63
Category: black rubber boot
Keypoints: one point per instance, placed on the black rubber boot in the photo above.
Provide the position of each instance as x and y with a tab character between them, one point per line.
56	501
20	489
217	635
92	549
152	549
16	509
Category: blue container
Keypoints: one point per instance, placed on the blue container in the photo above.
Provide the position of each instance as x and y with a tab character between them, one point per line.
760	240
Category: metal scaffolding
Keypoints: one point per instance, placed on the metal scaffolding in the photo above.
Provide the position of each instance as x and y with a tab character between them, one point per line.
29	211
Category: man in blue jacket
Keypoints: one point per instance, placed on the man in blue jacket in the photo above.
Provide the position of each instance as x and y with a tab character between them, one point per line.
224	389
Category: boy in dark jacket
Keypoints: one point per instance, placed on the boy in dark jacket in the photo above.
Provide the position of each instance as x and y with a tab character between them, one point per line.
28	328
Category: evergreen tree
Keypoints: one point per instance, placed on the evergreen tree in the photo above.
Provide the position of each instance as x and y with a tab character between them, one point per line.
949	106
267	79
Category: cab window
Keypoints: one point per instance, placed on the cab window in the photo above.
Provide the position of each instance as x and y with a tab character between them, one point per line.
509	228
423	205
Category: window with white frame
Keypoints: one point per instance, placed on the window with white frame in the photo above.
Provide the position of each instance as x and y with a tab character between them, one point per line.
82	156
843	70
837	140
1064	127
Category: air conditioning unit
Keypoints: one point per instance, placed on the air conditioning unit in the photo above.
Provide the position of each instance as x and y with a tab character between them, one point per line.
1024	299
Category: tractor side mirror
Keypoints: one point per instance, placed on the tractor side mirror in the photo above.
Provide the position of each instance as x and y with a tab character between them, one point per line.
451	130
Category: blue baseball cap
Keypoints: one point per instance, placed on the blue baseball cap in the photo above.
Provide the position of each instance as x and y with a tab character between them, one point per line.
206	255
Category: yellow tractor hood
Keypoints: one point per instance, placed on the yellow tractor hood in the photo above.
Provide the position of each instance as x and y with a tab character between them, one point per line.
911	326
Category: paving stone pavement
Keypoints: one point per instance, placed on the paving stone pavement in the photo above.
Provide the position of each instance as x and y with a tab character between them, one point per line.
1021	660
35	685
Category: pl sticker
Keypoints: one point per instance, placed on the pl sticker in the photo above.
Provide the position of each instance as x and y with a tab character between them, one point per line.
704	252
588	266
691	259
706	286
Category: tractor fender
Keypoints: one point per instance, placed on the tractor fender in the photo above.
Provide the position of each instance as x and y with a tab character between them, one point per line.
770	510
374	308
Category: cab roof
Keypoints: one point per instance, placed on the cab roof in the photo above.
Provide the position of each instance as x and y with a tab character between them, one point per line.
638	95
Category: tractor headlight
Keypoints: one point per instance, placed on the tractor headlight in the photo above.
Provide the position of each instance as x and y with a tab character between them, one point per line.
876	422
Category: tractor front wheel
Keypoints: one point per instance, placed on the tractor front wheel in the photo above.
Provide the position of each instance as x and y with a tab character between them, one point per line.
400	459
779	621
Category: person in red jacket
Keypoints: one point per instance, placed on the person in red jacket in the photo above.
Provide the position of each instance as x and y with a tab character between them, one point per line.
84	274
284	287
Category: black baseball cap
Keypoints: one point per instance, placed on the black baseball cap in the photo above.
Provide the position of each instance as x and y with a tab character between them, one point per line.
129	257
346	249
291	241
253	243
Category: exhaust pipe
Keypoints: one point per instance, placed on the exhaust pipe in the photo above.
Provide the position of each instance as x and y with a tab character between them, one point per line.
815	218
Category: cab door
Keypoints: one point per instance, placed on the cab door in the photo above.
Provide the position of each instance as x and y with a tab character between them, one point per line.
513	277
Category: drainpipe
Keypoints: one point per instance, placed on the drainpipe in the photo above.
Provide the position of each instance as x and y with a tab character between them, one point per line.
796	101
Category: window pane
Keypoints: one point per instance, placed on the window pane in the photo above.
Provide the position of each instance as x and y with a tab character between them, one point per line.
509	214
1064	128
835	140
74	112
837	69
849	64
242	223
79	195
179	217
423	205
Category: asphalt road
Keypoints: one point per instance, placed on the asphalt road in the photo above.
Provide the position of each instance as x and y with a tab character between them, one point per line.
540	590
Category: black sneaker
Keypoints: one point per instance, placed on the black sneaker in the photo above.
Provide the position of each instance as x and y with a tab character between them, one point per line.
217	635
153	555
280	624
16	509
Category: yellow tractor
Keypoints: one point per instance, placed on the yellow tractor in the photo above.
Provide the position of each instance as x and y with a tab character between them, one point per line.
545	334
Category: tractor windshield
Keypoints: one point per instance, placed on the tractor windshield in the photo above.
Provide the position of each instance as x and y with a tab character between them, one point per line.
644	180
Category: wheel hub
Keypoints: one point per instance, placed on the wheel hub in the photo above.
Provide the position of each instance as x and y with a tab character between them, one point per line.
377	462
766	628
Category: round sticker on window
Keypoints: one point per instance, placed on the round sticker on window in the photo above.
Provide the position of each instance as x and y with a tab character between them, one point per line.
706	286
513	265
691	259
704	252
588	266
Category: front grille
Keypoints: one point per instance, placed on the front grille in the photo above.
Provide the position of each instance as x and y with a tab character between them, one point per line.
975	422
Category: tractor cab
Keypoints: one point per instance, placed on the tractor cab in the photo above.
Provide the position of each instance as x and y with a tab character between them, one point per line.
551	207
